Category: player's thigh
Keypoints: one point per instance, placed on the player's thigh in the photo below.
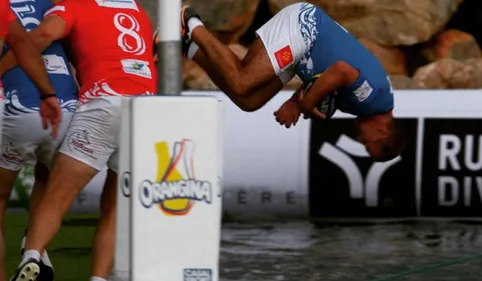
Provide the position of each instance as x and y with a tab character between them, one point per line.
21	136
93	132
282	40
48	148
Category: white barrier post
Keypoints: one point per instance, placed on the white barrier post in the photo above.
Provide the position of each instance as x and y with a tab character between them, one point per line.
170	189
170	175
176	154
123	217
169	47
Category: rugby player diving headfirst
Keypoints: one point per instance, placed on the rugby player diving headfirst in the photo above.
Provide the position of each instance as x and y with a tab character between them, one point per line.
302	40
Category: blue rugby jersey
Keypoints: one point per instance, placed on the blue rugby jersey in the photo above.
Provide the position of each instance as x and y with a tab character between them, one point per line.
21	95
372	92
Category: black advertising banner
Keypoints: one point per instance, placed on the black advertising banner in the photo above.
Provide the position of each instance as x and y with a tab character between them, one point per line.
344	182
452	168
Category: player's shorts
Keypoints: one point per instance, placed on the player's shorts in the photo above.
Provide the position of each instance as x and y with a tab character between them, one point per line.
25	142
92	137
288	36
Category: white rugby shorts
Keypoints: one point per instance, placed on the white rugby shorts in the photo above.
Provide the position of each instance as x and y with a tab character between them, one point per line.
283	41
92	137
25	142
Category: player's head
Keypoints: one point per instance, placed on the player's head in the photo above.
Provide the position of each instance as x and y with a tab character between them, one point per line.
381	136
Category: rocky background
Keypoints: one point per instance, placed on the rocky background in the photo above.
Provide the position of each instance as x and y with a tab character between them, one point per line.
423	44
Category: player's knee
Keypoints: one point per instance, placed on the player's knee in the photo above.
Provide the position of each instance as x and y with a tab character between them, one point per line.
248	107
239	88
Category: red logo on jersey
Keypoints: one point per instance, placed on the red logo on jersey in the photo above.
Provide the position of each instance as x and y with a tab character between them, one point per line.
284	56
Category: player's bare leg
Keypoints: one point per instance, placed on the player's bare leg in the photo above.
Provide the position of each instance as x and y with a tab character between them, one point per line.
7	179
67	178
252	101
103	247
239	77
41	175
201	59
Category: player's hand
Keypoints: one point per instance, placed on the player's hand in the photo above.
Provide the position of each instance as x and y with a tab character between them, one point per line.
51	114
288	114
308	109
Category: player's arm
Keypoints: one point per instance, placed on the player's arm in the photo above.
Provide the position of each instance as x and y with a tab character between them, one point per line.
28	57
51	29
336	76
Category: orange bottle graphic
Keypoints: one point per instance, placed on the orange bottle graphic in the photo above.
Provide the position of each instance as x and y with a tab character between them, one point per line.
169	170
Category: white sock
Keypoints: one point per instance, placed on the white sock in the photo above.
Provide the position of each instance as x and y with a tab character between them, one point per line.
46	259
30	254
24	241
95	278
192	50
193	23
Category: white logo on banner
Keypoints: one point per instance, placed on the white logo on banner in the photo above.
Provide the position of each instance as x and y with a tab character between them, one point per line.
458	153
359	188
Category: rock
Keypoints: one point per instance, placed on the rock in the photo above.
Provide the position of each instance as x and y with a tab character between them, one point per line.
401	82
449	74
477	65
276	5
388	23
414	57
229	20
453	44
392	59
468	19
